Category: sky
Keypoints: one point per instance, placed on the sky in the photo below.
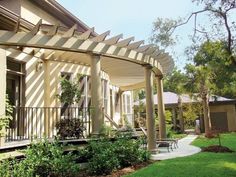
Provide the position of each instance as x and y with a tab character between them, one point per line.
133	18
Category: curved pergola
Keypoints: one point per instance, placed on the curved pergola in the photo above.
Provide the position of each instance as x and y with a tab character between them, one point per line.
74	47
129	65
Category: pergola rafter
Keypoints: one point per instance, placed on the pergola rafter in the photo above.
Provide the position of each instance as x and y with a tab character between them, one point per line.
57	46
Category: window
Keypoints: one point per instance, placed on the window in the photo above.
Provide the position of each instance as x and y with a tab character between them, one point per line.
15	88
15	82
105	94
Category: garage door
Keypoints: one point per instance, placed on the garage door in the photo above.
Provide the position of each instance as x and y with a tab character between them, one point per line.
219	121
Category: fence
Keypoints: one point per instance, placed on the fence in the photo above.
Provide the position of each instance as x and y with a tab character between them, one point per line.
38	122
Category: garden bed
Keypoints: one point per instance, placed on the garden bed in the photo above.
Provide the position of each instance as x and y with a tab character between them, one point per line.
120	172
217	149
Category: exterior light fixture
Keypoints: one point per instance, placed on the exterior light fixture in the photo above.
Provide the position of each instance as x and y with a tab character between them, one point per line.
39	65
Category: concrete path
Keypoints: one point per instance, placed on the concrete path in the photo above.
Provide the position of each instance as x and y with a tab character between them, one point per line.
184	149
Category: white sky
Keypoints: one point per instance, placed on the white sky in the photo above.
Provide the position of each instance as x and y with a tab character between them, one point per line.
132	18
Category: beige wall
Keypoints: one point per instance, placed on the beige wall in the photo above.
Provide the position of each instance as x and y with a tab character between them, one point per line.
32	13
2	80
231	114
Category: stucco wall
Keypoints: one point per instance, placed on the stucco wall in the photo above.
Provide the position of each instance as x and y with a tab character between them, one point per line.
32	13
231	114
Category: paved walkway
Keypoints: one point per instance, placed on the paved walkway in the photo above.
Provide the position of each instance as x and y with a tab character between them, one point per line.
184	149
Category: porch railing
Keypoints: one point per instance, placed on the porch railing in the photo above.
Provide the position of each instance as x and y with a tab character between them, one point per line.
38	122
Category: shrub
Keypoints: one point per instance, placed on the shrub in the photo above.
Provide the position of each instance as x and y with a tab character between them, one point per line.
70	92
43	159
129	152
107	131
105	156
5	119
5	168
69	128
102	158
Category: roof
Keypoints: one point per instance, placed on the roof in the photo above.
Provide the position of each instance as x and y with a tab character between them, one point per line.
170	98
58	11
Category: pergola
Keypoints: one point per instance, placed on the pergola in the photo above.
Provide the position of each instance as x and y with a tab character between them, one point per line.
129	65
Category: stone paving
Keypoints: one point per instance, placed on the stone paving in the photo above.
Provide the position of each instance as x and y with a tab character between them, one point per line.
185	149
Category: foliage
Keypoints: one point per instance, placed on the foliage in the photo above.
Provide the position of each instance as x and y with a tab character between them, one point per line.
107	131
162	32
105	156
139	94
70	128
222	27
200	80
191	111
5	119
215	56
102	157
6	168
169	131
218	25
43	159
139	110
175	81
168	116
129	152
70	92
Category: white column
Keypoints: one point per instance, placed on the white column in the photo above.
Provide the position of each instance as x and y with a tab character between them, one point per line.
161	108
121	107
47	100
96	94
150	120
86	92
3	73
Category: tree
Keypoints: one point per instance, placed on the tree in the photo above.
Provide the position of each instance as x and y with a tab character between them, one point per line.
200	81
70	91
215	56
175	83
219	26
190	113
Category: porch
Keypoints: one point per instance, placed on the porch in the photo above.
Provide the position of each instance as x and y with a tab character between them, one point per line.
49	50
32	123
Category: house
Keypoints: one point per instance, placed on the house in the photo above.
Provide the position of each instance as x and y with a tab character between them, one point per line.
41	41
222	110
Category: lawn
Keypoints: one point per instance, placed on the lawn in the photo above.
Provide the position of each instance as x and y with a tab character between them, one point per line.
203	164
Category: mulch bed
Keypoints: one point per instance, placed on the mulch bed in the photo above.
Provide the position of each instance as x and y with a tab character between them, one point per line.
217	149
120	172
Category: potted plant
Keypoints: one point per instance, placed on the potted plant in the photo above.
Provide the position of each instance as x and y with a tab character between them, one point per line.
69	126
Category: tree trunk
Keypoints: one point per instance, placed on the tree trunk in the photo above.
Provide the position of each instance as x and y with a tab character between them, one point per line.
174	118
180	114
206	113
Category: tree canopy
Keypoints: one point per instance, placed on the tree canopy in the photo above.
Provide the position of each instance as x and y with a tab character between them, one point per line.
213	44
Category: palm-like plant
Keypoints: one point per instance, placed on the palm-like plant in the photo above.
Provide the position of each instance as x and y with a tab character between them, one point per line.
200	80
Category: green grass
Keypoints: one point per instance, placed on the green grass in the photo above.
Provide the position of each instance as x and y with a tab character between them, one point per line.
203	164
